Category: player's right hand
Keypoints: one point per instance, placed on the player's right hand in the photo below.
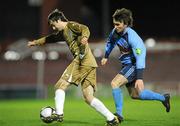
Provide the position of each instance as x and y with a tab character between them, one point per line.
31	43
104	61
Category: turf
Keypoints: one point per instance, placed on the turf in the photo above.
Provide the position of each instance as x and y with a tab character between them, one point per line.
77	113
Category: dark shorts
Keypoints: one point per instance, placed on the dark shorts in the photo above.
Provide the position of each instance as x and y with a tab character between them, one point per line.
129	72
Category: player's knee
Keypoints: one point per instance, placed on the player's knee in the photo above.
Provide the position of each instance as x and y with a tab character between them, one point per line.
88	97
134	96
115	84
61	84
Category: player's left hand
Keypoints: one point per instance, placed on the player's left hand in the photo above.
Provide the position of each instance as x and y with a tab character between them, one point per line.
139	84
31	43
84	40
104	61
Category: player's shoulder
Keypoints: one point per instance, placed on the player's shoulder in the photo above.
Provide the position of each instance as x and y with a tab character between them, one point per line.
133	35
130	31
112	33
73	24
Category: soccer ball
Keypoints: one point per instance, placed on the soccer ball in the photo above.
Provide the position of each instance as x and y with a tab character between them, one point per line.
46	114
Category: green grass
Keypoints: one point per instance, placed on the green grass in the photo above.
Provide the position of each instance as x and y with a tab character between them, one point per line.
77	113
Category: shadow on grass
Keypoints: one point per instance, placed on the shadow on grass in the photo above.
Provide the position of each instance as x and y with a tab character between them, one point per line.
73	123
130	120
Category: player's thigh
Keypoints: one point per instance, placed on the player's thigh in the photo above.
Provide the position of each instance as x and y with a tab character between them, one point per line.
133	92
129	72
88	93
68	76
118	81
71	73
89	78
62	84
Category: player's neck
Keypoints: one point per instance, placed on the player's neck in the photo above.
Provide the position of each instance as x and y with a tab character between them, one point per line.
64	24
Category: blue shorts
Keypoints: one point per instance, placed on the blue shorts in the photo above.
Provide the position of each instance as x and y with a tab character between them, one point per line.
129	72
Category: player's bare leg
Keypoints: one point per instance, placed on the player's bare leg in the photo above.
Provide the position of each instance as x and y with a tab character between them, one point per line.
95	103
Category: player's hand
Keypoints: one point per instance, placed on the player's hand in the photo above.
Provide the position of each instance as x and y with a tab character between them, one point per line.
139	84
104	61
31	43
84	40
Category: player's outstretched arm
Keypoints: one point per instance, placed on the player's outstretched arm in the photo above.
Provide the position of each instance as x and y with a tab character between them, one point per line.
31	43
40	41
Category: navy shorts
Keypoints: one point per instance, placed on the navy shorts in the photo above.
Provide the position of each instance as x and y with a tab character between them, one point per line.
129	72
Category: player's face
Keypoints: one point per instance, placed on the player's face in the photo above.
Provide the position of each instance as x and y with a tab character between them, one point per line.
56	25
119	26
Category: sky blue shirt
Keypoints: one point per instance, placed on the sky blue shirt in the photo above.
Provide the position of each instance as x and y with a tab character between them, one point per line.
132	48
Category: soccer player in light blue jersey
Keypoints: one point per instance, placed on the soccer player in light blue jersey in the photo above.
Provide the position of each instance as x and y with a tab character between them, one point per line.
132	58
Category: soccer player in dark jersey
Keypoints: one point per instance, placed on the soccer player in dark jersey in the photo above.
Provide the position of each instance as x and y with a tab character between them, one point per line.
132	58
81	71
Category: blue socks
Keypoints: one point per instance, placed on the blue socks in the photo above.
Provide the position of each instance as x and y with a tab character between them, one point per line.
144	95
150	95
118	99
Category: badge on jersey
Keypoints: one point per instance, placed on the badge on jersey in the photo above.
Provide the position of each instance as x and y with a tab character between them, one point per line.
138	51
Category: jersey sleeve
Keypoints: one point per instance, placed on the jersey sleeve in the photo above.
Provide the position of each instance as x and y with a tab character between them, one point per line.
55	37
109	45
139	52
82	31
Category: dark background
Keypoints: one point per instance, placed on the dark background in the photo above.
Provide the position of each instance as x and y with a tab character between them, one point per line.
157	19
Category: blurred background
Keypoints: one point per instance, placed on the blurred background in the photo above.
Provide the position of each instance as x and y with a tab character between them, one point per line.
32	73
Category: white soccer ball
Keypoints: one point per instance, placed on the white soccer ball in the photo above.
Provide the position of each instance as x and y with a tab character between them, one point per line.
46	114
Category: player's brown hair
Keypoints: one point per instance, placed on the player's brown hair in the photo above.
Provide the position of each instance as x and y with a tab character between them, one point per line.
123	15
56	15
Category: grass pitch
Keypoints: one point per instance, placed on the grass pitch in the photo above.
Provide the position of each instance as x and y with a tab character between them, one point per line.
77	113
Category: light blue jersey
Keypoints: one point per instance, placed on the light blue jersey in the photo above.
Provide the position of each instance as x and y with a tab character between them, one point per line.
131	47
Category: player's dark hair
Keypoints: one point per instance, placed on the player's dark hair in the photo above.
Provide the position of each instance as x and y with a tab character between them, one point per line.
56	15
123	15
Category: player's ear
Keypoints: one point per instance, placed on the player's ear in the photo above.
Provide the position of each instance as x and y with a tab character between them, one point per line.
125	25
